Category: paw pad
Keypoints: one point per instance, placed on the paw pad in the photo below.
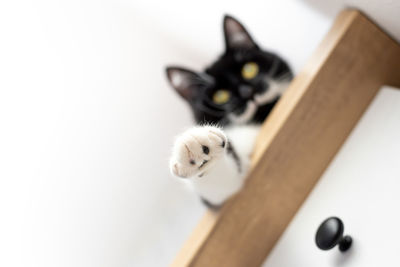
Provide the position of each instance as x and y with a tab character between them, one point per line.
206	150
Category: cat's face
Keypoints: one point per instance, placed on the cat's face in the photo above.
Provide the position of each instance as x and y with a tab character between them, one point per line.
242	86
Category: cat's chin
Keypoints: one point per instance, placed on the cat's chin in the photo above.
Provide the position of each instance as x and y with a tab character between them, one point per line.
246	115
275	90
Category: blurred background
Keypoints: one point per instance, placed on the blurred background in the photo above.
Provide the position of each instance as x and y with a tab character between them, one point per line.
87	118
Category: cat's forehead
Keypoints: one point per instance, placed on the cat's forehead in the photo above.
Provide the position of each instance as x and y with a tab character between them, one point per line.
227	62
234	61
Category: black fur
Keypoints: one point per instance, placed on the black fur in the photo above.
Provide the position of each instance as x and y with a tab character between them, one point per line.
210	205
232	152
225	73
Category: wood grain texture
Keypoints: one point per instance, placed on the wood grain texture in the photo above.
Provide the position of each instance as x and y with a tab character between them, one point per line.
297	143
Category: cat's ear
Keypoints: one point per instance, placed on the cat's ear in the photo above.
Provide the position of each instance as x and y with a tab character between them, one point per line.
188	83
236	36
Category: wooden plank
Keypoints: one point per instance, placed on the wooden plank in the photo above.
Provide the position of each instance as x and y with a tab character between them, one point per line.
196	239
297	143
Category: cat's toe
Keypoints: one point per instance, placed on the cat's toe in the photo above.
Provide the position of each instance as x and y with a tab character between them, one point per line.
177	170
217	135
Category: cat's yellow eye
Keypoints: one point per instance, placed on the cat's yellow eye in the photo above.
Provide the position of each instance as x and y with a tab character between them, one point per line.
221	96
250	70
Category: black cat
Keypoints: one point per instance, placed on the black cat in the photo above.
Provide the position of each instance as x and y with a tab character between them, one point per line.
241	86
229	100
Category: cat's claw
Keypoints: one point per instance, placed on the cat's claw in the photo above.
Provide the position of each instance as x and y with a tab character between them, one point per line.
196	150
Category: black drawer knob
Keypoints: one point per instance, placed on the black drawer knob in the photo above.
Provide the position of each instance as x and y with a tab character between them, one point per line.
330	233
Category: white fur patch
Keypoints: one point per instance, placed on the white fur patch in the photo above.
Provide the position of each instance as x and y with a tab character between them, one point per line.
246	116
219	178
275	89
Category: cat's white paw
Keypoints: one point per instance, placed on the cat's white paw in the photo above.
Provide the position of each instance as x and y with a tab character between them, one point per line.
196	150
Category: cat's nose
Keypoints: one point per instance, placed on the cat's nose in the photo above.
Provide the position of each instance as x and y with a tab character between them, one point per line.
246	91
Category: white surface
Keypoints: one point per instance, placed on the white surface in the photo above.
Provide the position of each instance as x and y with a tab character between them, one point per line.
87	120
386	13
361	186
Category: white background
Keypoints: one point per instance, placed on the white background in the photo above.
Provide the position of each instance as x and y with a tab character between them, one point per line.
87	119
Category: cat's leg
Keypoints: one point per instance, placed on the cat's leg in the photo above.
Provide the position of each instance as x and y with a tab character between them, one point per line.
207	159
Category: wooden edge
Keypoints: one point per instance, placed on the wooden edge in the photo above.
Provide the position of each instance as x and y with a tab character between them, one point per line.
205	226
297	142
196	239
302	81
